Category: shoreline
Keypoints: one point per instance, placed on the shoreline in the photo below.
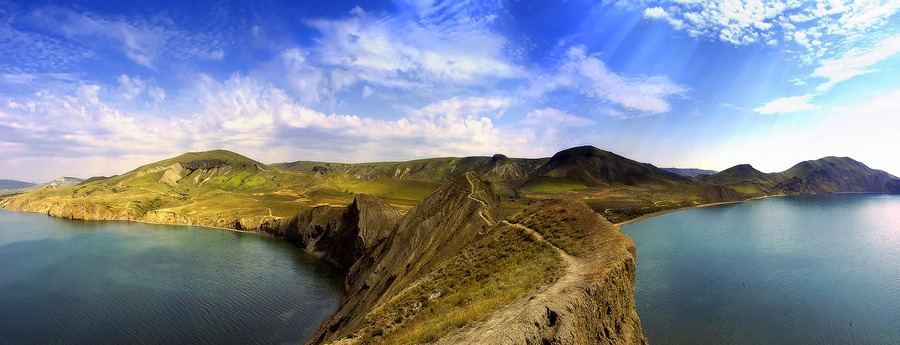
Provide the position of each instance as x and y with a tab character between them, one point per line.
659	213
154	223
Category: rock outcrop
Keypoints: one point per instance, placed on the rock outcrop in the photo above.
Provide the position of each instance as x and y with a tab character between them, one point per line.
429	234
339	236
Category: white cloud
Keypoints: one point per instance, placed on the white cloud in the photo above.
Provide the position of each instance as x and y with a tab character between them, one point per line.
457	106
855	63
555	117
243	114
736	22
413	55
655	13
588	74
843	24
788	105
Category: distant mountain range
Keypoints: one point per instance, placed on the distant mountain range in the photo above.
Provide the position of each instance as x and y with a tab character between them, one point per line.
220	188
13	186
690	172
824	175
588	166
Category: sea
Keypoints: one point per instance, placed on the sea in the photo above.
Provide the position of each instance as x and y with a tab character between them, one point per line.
813	269
92	282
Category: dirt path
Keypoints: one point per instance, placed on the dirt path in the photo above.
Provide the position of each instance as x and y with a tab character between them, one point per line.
483	204
574	275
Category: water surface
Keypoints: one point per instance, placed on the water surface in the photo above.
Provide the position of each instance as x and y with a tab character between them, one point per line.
78	282
816	269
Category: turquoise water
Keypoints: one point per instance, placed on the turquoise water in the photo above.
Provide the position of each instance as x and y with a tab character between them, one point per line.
77	282
816	269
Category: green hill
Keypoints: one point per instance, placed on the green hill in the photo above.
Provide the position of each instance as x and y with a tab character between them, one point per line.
591	166
496	168
834	175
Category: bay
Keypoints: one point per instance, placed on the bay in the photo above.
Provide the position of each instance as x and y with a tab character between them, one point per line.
814	269
77	282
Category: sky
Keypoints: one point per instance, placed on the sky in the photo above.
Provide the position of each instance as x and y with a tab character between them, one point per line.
99	88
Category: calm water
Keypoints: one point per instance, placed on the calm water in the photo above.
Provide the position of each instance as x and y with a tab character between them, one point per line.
127	283
786	270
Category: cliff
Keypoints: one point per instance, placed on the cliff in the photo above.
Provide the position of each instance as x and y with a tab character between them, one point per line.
591	303
452	271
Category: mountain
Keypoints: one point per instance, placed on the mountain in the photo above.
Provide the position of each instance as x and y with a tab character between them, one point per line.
738	173
13	185
591	166
834	175
825	175
495	168
690	172
61	182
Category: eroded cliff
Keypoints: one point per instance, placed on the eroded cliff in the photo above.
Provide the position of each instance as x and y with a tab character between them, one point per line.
452	271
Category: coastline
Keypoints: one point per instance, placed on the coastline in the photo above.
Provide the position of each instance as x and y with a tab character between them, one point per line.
156	223
654	214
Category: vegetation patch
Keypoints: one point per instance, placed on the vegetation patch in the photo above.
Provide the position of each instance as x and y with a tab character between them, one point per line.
498	269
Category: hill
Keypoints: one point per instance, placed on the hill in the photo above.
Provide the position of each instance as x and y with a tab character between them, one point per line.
213	188
593	167
13	185
690	172
834	175
438	170
738	173
825	175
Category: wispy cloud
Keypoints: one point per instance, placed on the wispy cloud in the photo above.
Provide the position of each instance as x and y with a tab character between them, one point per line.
140	40
420	55
457	106
855	63
588	74
787	105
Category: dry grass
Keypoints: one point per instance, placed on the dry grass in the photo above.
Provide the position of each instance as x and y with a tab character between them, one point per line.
499	268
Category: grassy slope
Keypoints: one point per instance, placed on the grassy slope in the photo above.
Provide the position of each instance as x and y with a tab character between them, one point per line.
251	188
500	267
230	185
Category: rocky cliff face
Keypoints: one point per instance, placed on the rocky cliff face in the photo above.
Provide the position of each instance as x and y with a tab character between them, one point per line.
590	301
431	233
339	236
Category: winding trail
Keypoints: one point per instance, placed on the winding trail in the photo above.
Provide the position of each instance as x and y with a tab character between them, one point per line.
483	204
518	311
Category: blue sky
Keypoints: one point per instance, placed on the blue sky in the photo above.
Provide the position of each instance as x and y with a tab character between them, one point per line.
99	88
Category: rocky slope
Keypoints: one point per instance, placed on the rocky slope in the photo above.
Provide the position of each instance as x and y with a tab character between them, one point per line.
590	302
